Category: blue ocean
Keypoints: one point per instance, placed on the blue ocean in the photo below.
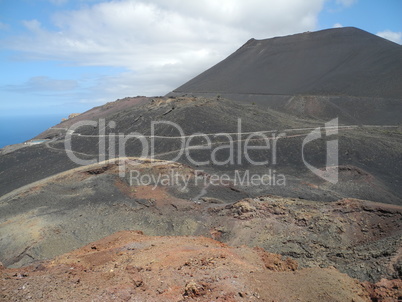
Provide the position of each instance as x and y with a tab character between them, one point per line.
17	129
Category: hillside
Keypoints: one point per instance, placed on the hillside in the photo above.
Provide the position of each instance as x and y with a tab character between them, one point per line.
343	73
291	145
343	61
128	265
370	157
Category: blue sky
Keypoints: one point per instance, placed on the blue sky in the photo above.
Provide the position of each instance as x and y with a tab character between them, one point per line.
65	56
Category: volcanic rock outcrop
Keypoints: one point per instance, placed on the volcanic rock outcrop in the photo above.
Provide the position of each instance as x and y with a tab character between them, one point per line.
129	266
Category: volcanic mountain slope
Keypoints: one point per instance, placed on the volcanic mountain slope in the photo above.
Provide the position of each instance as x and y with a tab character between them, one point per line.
134	115
341	61
129	266
333	72
72	209
370	157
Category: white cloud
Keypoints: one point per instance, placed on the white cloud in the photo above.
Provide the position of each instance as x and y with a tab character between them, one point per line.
58	2
337	25
161	43
33	26
43	84
346	3
391	35
3	26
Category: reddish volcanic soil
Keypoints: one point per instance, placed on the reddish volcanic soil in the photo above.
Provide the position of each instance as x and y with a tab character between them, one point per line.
128	266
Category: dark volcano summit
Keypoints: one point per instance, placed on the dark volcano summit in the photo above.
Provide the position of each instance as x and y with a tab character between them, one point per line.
343	61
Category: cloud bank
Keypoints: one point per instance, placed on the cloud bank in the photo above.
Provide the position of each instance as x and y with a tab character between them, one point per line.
44	84
392	36
159	43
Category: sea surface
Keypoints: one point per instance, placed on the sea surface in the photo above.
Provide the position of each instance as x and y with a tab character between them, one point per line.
18	129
